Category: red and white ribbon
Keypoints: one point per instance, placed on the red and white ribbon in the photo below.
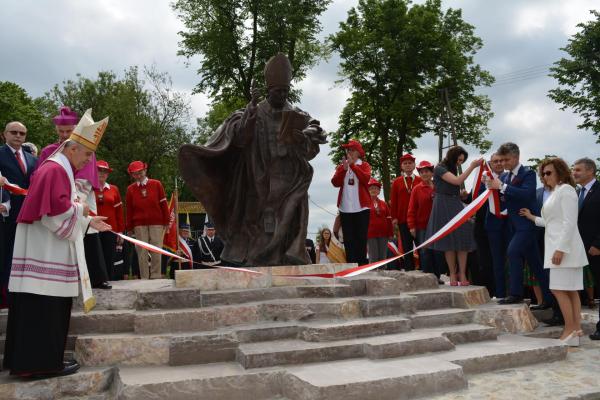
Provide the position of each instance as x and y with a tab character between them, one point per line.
494	198
15	189
450	227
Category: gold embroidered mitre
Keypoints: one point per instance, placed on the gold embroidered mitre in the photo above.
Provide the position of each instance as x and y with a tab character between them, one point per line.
87	132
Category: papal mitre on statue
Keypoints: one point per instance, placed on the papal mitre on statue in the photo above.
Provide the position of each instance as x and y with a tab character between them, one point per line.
87	132
278	71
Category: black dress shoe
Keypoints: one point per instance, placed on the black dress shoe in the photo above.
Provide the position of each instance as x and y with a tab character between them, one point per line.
67	370
103	285
543	306
595	335
511	300
554	321
69	363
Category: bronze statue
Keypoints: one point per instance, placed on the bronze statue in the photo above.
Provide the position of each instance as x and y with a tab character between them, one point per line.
253	175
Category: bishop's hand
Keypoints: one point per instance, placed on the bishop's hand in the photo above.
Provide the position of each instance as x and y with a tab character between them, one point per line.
99	224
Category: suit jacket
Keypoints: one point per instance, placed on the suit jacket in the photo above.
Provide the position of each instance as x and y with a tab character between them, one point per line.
520	193
589	218
4	197
216	248
559	217
11	171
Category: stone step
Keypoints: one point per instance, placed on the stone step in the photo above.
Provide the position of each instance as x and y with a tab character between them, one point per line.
347	380
441	317
294	351
297	309
385	379
508	351
222	345
364	327
162	294
88	382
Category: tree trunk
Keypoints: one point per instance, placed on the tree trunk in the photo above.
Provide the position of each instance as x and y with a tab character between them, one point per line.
401	144
385	163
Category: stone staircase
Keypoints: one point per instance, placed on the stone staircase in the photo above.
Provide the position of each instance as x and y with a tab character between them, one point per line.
215	334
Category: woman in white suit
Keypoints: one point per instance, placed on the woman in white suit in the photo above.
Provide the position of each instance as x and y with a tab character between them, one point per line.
564	253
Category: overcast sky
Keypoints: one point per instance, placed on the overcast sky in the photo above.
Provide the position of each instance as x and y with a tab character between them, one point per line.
45	42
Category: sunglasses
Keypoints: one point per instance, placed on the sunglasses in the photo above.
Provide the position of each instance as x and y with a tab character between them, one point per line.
19	133
547	173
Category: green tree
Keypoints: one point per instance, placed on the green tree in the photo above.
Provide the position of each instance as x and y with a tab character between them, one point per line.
578	75
234	39
148	120
17	105
396	57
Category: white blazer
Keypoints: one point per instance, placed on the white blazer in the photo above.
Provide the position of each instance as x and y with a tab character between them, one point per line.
559	217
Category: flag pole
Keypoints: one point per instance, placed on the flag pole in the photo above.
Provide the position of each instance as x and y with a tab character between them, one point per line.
176	208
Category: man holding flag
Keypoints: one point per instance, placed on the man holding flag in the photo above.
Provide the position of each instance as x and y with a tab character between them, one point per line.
49	260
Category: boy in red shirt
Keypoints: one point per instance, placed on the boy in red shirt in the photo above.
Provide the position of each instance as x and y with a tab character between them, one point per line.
109	204
147	216
419	209
402	188
380	224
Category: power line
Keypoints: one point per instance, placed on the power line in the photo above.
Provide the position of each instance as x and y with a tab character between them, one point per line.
322	208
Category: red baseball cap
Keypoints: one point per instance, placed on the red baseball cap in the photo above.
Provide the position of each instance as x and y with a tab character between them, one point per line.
101	164
374	182
136	166
407	156
355	144
424	164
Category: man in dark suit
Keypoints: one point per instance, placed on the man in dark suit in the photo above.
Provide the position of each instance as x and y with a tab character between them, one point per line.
310	250
210	246
517	190
497	236
588	222
16	166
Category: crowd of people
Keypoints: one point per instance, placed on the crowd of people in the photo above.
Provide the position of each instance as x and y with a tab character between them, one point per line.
547	238
62	213
144	215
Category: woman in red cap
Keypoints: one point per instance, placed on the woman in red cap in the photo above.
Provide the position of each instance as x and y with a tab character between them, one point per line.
108	201
419	210
380	224
352	177
147	216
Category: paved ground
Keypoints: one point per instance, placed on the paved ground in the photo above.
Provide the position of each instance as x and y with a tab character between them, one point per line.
577	377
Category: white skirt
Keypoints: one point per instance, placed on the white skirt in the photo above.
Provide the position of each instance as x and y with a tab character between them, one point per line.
566	278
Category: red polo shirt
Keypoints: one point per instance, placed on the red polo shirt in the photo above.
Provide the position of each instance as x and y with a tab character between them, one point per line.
419	207
400	196
380	220
151	209
108	201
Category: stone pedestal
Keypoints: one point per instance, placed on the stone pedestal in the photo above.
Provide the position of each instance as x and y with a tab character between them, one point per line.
223	279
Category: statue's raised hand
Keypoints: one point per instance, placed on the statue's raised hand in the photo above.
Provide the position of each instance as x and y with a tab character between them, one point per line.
252	106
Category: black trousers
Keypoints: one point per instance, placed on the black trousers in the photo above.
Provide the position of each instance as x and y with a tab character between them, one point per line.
108	243
8	231
94	259
483	273
408	262
36	333
355	227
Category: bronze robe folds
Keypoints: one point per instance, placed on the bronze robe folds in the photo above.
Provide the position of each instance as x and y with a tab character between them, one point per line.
254	186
